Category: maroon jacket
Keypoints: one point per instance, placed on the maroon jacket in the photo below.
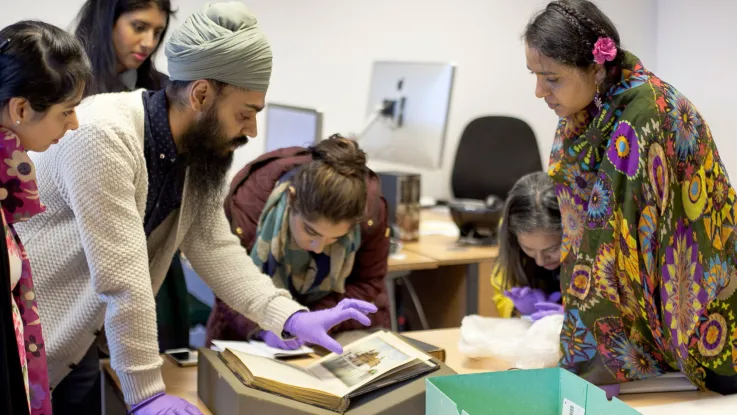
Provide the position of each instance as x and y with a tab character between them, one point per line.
248	193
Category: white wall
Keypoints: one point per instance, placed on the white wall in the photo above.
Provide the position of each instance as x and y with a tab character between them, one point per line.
696	54
50	11
324	49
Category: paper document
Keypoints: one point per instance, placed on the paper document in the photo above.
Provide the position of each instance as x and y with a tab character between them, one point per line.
362	362
259	348
442	228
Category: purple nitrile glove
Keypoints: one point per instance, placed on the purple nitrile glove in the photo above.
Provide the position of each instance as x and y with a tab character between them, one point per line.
312	326
545	309
163	404
554	297
273	340
612	391
524	298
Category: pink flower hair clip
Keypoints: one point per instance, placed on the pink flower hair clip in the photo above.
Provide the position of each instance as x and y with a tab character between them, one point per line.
604	50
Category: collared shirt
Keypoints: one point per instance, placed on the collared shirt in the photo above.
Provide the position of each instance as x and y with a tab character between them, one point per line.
165	174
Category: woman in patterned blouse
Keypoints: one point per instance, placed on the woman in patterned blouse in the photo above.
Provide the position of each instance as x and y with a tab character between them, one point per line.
648	253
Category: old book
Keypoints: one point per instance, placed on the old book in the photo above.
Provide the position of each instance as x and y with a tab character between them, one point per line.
436	352
260	348
372	362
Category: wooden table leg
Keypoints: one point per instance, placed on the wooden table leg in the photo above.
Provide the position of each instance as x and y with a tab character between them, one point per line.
391	292
472	287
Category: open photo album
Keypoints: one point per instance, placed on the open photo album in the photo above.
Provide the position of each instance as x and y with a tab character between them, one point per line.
375	361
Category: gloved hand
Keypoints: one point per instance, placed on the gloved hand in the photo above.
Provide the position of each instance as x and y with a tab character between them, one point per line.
275	341
612	391
524	298
312	326
545	309
554	297
163	404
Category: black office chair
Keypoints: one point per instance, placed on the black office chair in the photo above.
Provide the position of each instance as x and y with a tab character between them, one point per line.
493	153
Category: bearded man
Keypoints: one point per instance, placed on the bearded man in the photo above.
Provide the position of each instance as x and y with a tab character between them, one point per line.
142	177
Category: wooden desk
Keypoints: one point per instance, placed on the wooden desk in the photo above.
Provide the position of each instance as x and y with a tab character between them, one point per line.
182	382
400	266
410	261
448	340
445	249
432	251
478	260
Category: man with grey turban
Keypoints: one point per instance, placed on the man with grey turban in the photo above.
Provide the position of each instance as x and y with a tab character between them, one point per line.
223	43
141	177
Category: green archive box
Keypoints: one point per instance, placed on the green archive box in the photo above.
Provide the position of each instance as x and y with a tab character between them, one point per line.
519	392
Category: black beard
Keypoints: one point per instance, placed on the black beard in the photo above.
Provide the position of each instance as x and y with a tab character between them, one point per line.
208	156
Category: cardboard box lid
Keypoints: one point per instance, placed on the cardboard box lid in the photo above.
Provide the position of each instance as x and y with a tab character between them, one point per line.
224	393
543	391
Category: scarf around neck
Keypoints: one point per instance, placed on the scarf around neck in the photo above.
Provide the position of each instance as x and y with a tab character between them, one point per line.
20	201
291	267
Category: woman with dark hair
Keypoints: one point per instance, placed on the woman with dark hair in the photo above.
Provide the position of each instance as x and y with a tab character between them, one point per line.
526	275
648	254
43	72
314	220
121	38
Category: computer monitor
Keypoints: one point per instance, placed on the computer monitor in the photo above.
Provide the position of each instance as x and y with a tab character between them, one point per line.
408	113
288	126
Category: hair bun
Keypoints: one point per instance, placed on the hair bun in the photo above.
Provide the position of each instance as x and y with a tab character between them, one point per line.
342	154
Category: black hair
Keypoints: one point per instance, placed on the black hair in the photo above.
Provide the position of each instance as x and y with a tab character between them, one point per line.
530	207
41	63
567	30
95	23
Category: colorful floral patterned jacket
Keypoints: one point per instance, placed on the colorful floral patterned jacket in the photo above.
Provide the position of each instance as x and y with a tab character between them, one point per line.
648	256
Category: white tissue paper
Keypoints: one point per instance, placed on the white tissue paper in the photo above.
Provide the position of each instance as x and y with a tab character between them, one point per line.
521	343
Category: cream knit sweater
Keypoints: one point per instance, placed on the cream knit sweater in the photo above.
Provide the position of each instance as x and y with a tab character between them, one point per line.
92	263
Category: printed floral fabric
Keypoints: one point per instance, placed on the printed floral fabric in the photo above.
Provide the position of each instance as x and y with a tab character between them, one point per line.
20	201
648	254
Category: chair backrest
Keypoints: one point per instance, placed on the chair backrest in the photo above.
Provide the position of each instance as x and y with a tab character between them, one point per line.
493	153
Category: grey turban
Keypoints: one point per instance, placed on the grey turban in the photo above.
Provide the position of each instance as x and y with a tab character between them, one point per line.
222	42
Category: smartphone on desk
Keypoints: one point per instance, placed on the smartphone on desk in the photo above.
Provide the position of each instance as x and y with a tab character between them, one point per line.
182	357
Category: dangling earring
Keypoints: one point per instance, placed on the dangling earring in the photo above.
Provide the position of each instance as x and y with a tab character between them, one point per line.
597	98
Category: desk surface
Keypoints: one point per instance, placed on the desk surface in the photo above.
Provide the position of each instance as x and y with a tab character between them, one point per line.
410	261
183	381
433	251
443	248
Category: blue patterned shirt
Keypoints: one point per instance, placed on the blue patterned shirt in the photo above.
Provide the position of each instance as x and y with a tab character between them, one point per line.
165	172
